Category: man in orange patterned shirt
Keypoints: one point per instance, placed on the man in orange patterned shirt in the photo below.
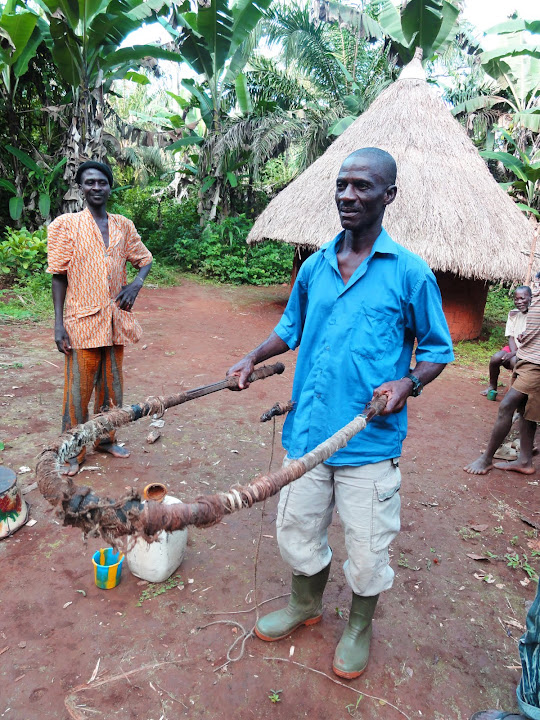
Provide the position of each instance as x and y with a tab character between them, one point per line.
87	254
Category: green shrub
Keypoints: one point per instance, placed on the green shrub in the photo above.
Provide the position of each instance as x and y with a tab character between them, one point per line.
500	300
23	253
161	221
270	263
222	254
161	274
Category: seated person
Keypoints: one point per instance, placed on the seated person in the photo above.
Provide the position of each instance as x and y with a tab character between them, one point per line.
515	326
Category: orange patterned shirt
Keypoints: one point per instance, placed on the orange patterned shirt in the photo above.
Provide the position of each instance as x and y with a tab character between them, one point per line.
95	276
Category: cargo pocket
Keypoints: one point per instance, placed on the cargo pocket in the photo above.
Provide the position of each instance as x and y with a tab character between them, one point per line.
283	496
386	508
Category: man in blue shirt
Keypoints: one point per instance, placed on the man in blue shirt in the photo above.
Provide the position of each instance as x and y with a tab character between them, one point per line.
355	310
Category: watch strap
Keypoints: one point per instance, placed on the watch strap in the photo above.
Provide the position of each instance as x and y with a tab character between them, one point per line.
417	386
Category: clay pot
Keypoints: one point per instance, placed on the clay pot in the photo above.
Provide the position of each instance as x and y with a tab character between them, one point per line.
155	491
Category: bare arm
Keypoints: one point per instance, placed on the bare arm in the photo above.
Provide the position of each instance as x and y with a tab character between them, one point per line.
399	390
59	289
128	294
273	345
512	345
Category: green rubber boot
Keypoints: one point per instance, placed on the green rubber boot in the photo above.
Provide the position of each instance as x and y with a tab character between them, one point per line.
352	653
304	608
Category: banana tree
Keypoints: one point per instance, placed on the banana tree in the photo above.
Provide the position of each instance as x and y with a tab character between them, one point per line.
85	38
19	37
425	24
514	67
525	166
213	40
354	18
38	187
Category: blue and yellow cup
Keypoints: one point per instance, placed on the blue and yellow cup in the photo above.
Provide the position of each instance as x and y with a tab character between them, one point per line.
107	568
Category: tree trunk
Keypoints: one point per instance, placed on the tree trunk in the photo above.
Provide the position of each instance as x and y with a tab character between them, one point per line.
14	129
84	138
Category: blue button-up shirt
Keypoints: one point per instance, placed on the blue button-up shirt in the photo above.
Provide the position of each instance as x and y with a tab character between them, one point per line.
353	338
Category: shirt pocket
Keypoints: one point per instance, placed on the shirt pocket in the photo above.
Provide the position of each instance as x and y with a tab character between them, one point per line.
83	326
375	332
126	328
85	311
385	520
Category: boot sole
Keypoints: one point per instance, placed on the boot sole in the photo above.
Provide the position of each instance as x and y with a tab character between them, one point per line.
266	638
347	675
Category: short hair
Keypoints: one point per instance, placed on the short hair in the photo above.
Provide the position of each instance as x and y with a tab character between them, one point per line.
524	287
386	162
94	165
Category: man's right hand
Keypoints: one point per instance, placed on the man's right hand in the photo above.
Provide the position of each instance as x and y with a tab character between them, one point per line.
272	346
242	370
61	338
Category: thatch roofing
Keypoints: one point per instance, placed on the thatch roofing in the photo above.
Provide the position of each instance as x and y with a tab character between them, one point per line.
449	209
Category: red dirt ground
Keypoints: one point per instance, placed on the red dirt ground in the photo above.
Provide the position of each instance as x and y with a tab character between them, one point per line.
445	641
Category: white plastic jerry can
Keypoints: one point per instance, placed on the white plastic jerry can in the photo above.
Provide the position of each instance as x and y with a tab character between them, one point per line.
157	561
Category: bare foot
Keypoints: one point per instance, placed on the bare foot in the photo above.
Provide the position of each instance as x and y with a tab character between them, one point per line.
114	450
72	468
516	466
479	467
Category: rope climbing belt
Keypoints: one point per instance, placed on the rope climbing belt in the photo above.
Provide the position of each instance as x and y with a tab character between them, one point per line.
82	508
210	509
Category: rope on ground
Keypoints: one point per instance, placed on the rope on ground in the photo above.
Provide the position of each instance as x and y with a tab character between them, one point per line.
247	610
70	700
383	701
246	634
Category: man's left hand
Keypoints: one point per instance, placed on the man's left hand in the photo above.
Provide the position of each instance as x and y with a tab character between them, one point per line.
127	295
398	392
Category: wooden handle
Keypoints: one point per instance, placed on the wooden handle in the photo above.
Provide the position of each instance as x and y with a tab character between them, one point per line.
375	406
265	371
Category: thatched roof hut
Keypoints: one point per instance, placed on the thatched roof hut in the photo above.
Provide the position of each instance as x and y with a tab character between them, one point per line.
449	209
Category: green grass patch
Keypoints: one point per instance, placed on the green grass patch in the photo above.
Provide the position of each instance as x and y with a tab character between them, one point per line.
27	299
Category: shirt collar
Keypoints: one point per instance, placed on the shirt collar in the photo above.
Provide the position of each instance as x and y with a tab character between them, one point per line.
383	245
114	230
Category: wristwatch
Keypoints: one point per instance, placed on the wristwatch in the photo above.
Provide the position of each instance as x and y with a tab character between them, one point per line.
417	386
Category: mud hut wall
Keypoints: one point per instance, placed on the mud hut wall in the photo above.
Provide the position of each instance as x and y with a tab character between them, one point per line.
464	302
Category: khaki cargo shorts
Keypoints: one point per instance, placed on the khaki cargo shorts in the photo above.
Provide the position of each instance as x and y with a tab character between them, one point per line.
526	380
